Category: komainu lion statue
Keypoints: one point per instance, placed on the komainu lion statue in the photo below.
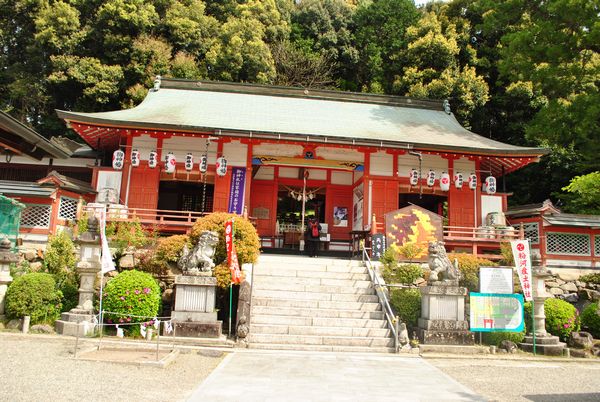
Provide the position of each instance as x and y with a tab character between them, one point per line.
200	258
439	263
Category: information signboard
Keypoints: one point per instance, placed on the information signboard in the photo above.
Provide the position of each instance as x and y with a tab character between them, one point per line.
496	280
494	312
377	246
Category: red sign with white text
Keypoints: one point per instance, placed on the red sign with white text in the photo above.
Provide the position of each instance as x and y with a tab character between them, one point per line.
522	256
232	260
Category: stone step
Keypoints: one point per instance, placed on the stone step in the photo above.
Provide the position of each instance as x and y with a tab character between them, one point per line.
320	340
320	348
318	330
307	261
299	273
265	267
344	297
317	321
358	287
315	312
317	304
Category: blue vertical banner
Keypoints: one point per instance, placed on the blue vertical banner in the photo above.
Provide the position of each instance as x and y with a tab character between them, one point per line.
236	190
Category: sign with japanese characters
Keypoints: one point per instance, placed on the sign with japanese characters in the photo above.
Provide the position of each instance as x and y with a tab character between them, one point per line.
377	246
522	256
496	280
494	312
236	190
232	260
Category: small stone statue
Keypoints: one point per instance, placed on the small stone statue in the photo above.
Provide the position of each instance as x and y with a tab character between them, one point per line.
199	260
403	334
242	328
439	264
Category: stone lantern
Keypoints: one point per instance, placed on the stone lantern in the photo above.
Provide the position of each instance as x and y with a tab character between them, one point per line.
79	319
546	344
7	257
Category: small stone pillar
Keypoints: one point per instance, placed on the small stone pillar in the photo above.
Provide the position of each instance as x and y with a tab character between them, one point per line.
7	257
79	319
546	344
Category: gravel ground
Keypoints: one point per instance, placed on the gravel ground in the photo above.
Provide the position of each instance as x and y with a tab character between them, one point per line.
40	368
525	380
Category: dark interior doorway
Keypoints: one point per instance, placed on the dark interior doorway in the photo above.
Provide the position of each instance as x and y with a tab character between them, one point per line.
433	203
185	196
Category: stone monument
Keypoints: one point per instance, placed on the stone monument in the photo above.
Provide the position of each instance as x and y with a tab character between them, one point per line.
7	257
194	314
79	320
442	319
546	343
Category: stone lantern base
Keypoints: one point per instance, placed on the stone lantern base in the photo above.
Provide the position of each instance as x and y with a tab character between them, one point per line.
77	322
194	314
548	345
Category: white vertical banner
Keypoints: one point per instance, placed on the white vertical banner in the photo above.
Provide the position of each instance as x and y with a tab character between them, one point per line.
522	255
106	260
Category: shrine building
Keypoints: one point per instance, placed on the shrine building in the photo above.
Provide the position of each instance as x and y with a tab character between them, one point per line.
195	147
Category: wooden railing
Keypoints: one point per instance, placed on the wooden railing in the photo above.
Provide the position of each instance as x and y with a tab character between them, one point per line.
482	234
160	217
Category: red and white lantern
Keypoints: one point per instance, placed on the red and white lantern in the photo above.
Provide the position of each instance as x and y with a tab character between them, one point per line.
203	164
221	166
152	159
170	163
118	159
490	185
413	177
189	162
431	178
472	181
135	158
458	180
445	182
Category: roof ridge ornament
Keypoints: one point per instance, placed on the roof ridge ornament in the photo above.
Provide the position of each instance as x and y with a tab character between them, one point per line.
446	105
157	82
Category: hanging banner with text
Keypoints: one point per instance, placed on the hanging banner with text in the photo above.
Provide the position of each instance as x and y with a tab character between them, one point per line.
522	256
236	190
232	260
495	312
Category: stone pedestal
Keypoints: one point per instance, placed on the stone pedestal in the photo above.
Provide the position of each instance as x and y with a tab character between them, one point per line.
194	314
79	321
442	319
7	257
546	344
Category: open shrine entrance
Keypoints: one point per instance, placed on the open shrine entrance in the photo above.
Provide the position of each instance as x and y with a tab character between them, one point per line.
289	212
431	202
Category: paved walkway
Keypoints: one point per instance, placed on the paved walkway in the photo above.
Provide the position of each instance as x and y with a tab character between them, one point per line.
306	376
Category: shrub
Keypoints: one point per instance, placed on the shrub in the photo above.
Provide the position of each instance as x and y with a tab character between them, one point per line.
247	244
131	293
169	249
59	257
407	304
20	269
562	317
70	295
590	320
468	265
403	273
35	295
146	261
127	234
409	251
590	278
507	255
494	338
223	275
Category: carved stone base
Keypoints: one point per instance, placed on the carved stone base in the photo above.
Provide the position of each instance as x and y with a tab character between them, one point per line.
457	337
190	329
443	325
77	322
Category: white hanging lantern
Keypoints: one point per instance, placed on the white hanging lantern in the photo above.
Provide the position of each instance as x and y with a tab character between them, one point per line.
189	161
413	177
221	166
490	185
203	164
472	181
458	180
118	159
445	181
170	163
431	178
135	158
152	159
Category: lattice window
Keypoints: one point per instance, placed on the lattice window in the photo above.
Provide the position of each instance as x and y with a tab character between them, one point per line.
36	216
532	231
597	245
68	208
568	243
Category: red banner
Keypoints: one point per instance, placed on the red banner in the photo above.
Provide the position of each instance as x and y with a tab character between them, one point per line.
232	260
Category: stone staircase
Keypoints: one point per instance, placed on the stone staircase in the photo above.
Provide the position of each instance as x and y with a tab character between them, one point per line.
320	304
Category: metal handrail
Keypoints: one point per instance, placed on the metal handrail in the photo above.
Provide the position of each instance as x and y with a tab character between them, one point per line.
392	320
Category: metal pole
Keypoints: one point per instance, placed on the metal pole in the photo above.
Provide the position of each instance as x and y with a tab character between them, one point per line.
533	322
303	208
204	179
230	307
157	340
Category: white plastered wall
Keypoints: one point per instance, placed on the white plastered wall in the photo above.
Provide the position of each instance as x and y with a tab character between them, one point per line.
382	164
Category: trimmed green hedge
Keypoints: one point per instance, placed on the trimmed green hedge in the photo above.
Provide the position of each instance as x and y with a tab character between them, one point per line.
407	304
35	295
590	320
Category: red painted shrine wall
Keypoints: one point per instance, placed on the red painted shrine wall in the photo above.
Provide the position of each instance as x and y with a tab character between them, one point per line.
338	197
461	207
143	187
264	195
384	198
221	197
